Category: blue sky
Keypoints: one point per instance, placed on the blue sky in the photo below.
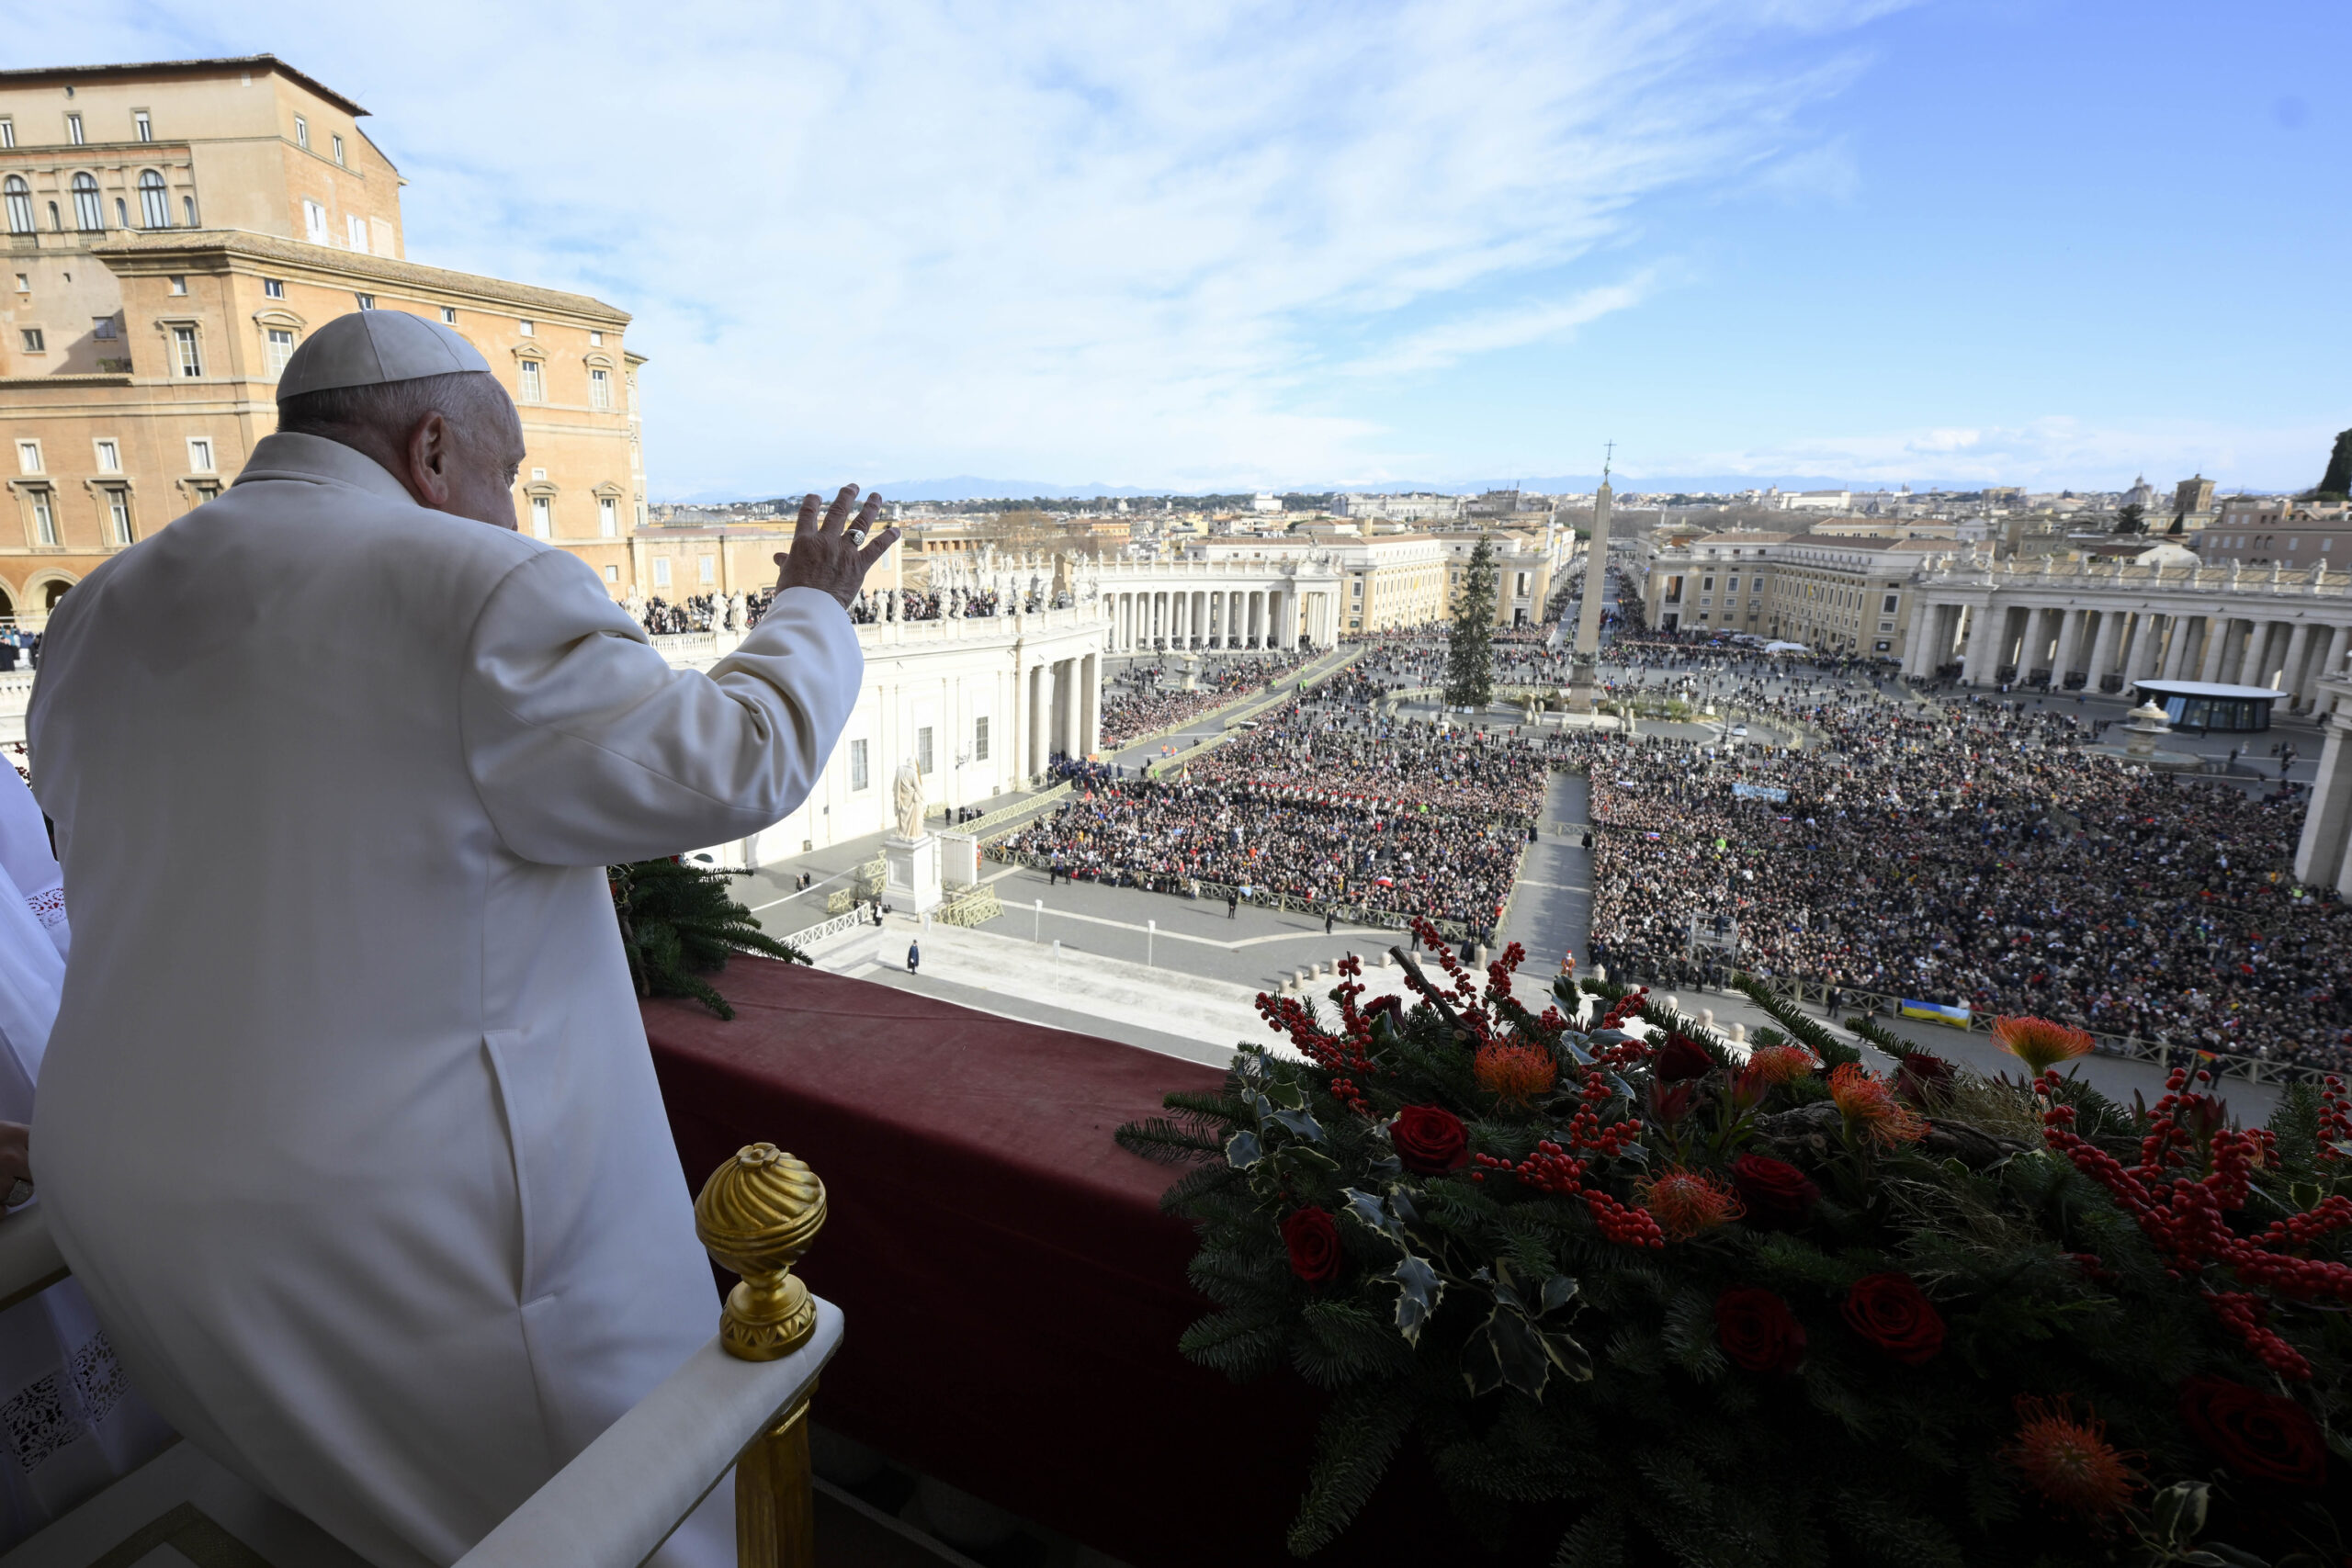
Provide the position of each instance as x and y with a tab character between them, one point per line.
1228	245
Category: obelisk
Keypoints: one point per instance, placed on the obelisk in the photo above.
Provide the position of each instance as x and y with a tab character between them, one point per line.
1586	655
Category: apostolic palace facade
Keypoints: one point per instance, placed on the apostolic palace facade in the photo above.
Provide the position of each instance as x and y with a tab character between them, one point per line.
173	231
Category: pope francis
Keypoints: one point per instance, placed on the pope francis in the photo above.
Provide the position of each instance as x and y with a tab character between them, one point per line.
347	1125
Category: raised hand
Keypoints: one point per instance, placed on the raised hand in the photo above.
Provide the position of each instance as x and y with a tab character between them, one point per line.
834	556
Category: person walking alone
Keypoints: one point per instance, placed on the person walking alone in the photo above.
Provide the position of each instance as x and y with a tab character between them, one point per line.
914	956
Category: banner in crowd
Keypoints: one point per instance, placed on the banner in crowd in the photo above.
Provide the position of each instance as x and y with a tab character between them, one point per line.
1935	1012
1773	792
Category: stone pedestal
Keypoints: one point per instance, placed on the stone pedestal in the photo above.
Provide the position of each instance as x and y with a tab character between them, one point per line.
1583	689
910	876
959	858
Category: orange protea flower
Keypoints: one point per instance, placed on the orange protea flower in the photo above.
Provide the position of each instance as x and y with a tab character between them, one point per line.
2040	1043
1870	1106
1779	1063
1515	1073
2068	1461
1685	1202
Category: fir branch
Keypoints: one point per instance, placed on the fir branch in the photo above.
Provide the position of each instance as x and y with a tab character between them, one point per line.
1353	1448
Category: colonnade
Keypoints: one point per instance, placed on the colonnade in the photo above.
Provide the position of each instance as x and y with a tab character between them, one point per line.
1202	618
1060	710
2105	642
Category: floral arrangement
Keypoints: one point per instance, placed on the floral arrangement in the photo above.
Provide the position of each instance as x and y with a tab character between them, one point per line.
1639	1297
678	924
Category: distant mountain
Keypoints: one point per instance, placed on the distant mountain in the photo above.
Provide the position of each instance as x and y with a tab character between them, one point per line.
972	486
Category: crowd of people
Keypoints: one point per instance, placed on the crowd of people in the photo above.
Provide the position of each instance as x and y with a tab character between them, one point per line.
1973	855
1197	840
1145	698
1968	853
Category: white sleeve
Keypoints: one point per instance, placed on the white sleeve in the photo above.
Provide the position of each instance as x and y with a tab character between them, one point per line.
588	749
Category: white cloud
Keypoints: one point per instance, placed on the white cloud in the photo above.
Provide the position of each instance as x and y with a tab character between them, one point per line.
1066	239
1451	341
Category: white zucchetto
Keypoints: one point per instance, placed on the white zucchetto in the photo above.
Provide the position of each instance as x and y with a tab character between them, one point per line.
367	348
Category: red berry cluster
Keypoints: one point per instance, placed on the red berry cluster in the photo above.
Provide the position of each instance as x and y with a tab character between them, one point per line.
2334	1119
1346	1056
2194	1170
1554	1169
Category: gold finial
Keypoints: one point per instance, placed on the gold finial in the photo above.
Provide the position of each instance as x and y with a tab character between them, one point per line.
757	1215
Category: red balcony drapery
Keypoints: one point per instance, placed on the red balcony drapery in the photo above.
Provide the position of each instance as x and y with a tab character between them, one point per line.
1013	1290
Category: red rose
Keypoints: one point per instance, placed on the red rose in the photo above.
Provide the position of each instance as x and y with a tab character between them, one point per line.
1892	1312
2261	1436
1313	1241
1682	1058
1919	1078
1428	1139
1777	1193
1757	1331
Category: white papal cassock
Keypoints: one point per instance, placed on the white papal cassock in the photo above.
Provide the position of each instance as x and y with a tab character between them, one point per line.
348	1125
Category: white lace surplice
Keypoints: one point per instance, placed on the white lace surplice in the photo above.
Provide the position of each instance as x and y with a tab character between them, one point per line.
69	1423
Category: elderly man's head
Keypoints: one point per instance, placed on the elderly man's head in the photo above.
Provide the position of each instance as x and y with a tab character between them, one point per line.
416	396
454	440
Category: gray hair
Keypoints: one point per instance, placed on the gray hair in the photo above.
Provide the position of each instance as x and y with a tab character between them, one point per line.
391	408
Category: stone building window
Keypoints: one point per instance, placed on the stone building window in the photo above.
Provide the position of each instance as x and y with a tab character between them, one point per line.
154	202
88	217
20	204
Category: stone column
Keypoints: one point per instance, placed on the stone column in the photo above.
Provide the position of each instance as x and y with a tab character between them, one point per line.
1090	686
2102	664
1041	689
2328	662
1915	643
1016	738
2297	644
2217	637
2253	664
2177	655
2070	641
1983	644
2320	853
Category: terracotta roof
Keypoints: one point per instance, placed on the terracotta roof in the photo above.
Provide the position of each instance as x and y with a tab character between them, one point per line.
174	244
183	68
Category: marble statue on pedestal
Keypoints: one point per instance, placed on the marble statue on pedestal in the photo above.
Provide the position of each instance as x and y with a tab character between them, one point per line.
907	796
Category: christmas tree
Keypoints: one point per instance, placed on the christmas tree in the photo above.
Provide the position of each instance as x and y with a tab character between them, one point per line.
1469	646
2336	483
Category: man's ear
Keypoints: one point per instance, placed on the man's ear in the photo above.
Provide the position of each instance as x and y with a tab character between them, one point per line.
429	455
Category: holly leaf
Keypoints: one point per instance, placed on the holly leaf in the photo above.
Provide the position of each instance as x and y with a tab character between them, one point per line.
1301	1122
1367	1209
1243	1150
1419	1290
1287	1094
1299	1157
1574	1045
1565	1353
1520	1349
2179	1512
1557	1290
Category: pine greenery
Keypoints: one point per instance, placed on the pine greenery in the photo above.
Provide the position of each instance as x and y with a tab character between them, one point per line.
1481	1318
678	925
1469	645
